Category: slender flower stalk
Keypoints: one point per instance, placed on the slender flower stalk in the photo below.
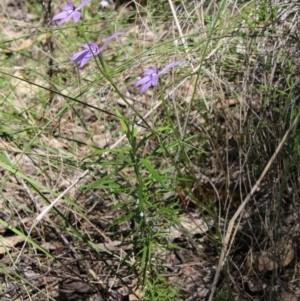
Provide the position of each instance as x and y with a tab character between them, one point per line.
68	12
90	50
150	76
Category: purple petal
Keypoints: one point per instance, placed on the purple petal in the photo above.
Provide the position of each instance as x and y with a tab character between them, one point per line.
108	39
169	66
85	2
151	71
60	15
82	57
154	80
69	6
68	12
79	55
76	16
145	87
94	49
65	11
91	47
142	81
60	23
84	61
85	46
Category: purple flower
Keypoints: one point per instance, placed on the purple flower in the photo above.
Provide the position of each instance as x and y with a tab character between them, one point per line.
150	76
68	12
90	50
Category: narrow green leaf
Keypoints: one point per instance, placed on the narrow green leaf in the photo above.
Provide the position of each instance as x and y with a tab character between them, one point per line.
153	172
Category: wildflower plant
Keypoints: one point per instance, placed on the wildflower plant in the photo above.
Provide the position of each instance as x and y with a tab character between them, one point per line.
123	218
68	12
149	79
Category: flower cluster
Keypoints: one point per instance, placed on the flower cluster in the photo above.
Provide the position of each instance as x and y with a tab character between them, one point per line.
150	76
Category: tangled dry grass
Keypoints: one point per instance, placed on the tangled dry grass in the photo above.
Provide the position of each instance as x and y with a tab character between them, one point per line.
228	122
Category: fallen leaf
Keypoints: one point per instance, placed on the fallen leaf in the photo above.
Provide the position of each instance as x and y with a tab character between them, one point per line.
7	243
267	260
